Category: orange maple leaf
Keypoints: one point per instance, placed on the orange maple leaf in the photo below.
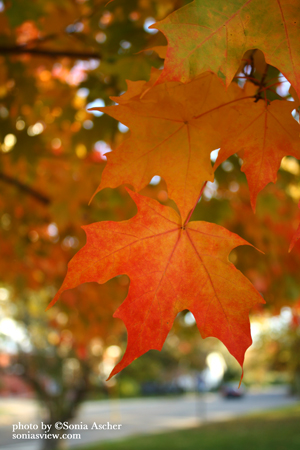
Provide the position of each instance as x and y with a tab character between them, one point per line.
174	128
215	34
172	266
264	133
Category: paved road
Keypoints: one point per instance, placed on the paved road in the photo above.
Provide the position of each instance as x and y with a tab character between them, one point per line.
137	416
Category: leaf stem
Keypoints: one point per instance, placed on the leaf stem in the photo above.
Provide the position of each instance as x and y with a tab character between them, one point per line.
192	210
271	85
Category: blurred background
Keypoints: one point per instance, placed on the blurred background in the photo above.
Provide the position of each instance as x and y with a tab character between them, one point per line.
57	59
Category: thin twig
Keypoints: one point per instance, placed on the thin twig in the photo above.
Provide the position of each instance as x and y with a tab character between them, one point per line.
262	81
261	86
24	188
17	50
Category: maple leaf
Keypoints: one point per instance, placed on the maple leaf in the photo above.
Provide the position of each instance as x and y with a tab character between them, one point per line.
172	267
174	130
264	133
214	35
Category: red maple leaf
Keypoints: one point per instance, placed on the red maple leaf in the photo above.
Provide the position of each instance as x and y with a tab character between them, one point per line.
172	266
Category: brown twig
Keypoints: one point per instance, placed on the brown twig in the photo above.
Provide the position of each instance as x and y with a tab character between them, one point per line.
261	87
18	50
24	188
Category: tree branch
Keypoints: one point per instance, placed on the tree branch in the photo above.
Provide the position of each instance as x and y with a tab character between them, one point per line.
24	188
17	50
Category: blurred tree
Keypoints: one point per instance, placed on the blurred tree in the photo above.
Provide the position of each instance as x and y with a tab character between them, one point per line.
60	355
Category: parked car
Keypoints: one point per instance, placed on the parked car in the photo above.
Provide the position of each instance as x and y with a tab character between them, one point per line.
232	390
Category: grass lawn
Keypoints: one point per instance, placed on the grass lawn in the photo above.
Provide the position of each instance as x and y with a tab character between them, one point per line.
271	430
